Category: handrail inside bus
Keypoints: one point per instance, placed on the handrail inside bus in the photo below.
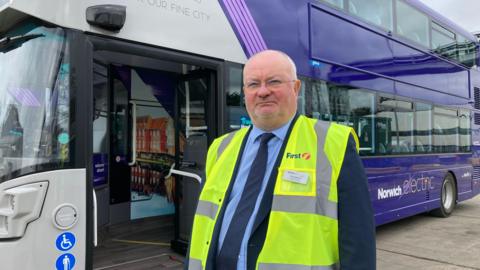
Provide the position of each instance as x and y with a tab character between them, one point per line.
192	175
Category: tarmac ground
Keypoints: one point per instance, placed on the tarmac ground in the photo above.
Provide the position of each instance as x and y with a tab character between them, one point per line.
425	242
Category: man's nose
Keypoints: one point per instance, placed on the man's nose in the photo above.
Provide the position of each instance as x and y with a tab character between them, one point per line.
263	90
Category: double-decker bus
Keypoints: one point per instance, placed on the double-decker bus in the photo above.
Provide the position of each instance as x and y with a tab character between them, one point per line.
107	109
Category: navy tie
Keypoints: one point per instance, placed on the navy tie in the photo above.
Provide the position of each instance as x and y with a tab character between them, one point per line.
228	256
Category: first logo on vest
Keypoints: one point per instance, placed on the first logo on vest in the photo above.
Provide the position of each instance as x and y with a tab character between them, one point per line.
304	156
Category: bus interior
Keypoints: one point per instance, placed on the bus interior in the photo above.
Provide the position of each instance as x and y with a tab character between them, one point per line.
149	114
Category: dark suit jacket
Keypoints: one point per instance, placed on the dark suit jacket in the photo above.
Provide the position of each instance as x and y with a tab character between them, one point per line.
356	223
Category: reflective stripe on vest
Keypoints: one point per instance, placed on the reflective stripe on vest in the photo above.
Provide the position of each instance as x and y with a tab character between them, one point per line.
310	207
224	143
206	208
194	264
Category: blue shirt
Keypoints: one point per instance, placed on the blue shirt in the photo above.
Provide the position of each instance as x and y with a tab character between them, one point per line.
249	153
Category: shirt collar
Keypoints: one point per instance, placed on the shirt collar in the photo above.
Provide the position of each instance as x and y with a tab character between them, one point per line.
280	132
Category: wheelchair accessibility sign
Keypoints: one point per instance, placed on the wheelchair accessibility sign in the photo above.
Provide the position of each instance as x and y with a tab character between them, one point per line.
65	241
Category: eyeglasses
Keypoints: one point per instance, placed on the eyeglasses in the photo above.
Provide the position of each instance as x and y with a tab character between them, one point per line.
272	84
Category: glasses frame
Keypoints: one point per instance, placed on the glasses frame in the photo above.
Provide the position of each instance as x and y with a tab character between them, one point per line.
271	84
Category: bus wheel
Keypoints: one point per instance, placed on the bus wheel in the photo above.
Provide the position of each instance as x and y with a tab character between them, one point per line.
448	197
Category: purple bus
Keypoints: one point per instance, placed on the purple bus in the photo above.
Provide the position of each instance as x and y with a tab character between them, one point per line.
404	77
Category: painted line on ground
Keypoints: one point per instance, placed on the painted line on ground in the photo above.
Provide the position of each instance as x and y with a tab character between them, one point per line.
141	242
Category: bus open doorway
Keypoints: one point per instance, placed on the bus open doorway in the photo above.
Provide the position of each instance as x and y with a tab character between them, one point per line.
149	114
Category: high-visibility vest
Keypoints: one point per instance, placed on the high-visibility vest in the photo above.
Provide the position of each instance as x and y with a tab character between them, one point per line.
302	230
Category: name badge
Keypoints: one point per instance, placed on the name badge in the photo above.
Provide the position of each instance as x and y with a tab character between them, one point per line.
296	177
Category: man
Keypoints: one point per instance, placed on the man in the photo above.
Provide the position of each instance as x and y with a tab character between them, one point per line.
289	192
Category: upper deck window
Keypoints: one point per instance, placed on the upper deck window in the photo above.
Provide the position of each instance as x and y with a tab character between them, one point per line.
466	51
412	24
377	12
443	41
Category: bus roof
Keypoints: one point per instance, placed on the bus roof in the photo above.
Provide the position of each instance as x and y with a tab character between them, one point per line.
194	26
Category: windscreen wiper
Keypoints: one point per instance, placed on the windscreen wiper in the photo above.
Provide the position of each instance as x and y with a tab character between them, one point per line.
9	43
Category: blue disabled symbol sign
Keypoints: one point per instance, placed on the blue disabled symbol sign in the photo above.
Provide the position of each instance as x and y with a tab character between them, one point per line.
65	262
65	241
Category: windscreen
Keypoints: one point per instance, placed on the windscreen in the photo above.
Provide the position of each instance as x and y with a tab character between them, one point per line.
34	100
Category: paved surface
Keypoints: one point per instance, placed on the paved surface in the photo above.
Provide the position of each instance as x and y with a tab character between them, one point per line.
421	242
426	243
138	245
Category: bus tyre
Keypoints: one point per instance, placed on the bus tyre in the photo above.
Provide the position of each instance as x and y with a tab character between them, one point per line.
448	197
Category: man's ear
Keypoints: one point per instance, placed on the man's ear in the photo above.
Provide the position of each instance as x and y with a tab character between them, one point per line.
297	86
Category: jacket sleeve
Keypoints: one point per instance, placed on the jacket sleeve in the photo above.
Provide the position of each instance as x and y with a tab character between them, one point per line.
357	247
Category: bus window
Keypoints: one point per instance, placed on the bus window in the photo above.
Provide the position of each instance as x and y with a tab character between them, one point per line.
384	120
361	108
443	42
354	107
38	104
377	12
412	24
234	95
404	126
423	128
445	132
349	106
320	107
466	51
339	101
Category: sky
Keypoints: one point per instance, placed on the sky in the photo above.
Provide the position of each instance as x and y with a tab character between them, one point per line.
463	12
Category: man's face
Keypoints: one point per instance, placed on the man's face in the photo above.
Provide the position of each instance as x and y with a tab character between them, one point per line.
270	90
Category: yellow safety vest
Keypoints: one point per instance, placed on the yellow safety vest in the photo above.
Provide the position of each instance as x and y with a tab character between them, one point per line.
303	225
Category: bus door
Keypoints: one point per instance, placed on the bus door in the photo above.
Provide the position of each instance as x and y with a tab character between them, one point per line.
195	101
157	118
